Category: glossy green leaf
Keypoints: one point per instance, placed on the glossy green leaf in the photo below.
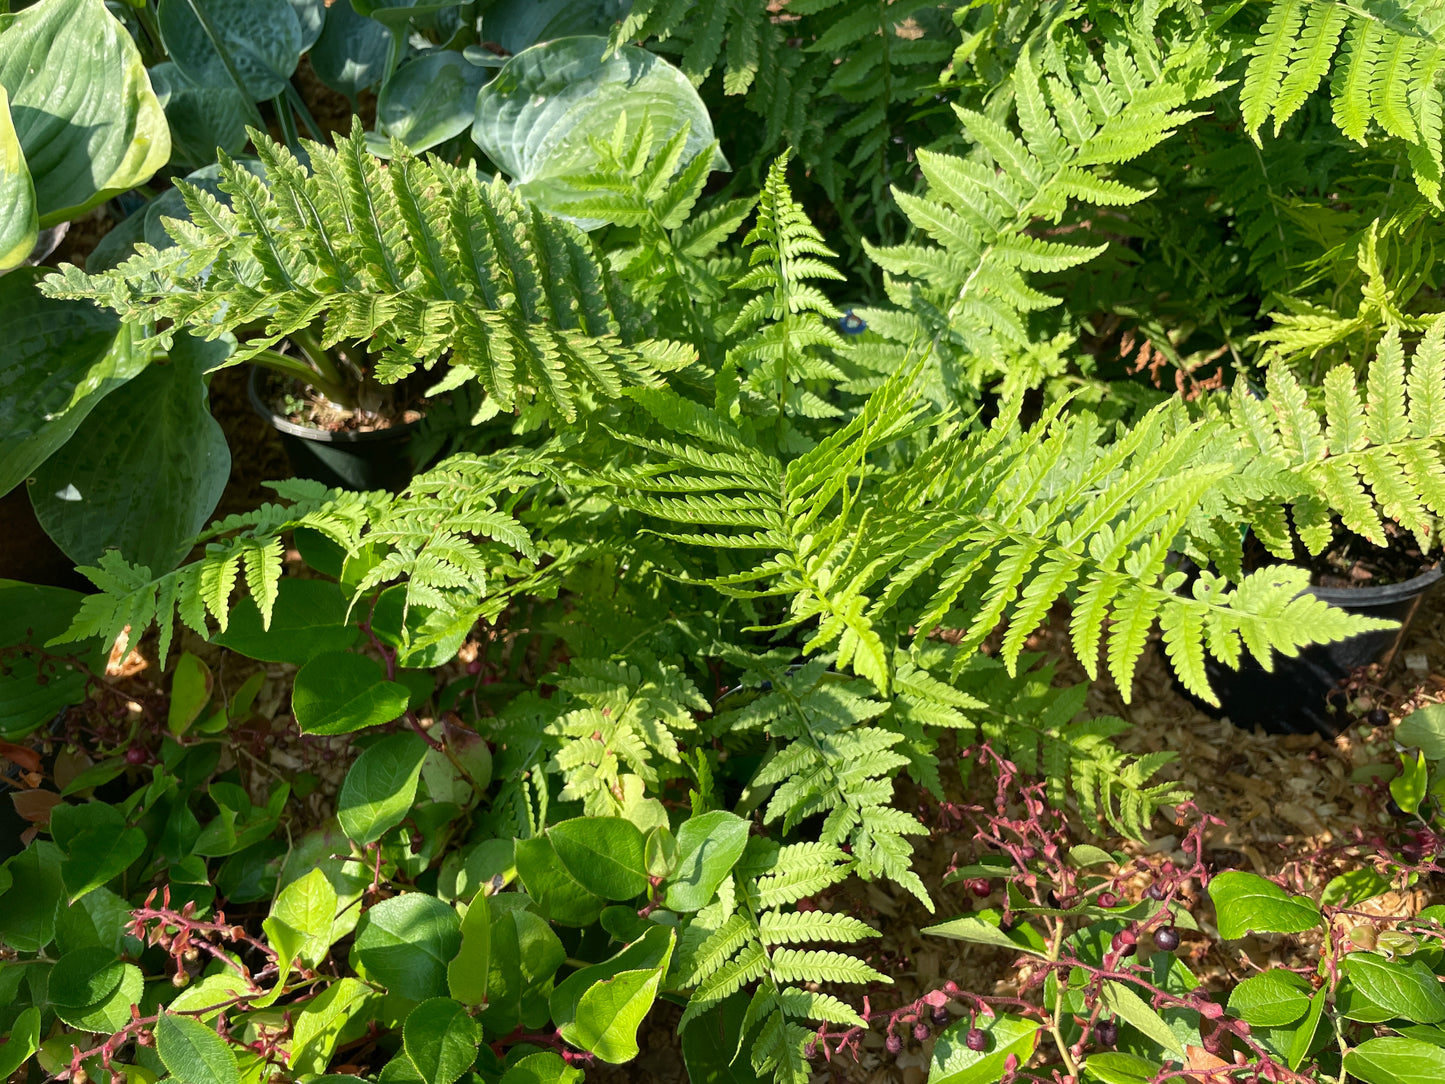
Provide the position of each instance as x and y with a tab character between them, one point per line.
982	928
467	973
1353	886
1304	1035
651	950
1424	729
1121	1000
611	1011
441	1040
84	977
61	359
558	894
538	118
28	907
430	99
311	14
954	1063
711	1042
320	1021
261	39
1272	999
398	13
604	854
1245	902
308	618
339	692
34	615
708	846
83	109
406	942
1403	987
201	118
24	1040
306	911
350	54
194	1053
526	953
101	848
112	1012
443	770
149	472
1408	788
1393	1059
380	787
191	688
21	225
545	1067
1117	1067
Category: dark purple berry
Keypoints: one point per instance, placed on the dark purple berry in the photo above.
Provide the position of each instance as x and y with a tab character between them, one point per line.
920	1031
1167	938
893	1044
980	887
417	842
940	1016
1378	717
976	1040
1155	891
1108	899
136	755
1106	1032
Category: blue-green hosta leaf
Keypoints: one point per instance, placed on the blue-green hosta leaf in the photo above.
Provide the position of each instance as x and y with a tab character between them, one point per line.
149	472
262	40
441	1040
397	13
21	225
538	118
201	118
430	99
193	1053
311	14
31	614
61	358
380	787
84	111
350	54
519	24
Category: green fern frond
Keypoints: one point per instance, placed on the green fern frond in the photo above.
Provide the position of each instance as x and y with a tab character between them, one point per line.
419	261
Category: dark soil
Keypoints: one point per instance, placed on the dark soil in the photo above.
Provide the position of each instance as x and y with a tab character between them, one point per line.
386	405
1353	561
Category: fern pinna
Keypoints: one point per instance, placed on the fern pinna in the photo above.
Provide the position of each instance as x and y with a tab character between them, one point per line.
416	262
1384	63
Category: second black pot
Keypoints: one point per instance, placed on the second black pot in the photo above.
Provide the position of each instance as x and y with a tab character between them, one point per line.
380	459
1296	697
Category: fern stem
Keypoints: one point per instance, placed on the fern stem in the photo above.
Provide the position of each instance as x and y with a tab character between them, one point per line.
293	367
323	360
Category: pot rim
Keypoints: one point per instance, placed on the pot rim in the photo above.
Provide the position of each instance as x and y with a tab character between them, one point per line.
1384	595
321	436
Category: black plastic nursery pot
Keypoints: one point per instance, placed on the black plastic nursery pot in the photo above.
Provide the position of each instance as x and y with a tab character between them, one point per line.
1296	697
379	459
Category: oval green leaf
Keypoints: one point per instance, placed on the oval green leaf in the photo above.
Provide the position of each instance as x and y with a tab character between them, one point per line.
380	787
441	1040
708	846
955	1063
604	854
350	54
1272	999
406	942
467	973
193	1053
201	118
430	99
1245	902
1395	1060
1403	987
339	692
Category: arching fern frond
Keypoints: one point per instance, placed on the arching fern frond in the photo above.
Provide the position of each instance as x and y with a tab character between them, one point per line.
986	527
418	262
968	295
459	548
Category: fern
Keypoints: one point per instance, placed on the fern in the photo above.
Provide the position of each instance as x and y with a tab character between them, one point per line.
1385	68
1008	519
746	937
461	556
969	297
418	261
1367	460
